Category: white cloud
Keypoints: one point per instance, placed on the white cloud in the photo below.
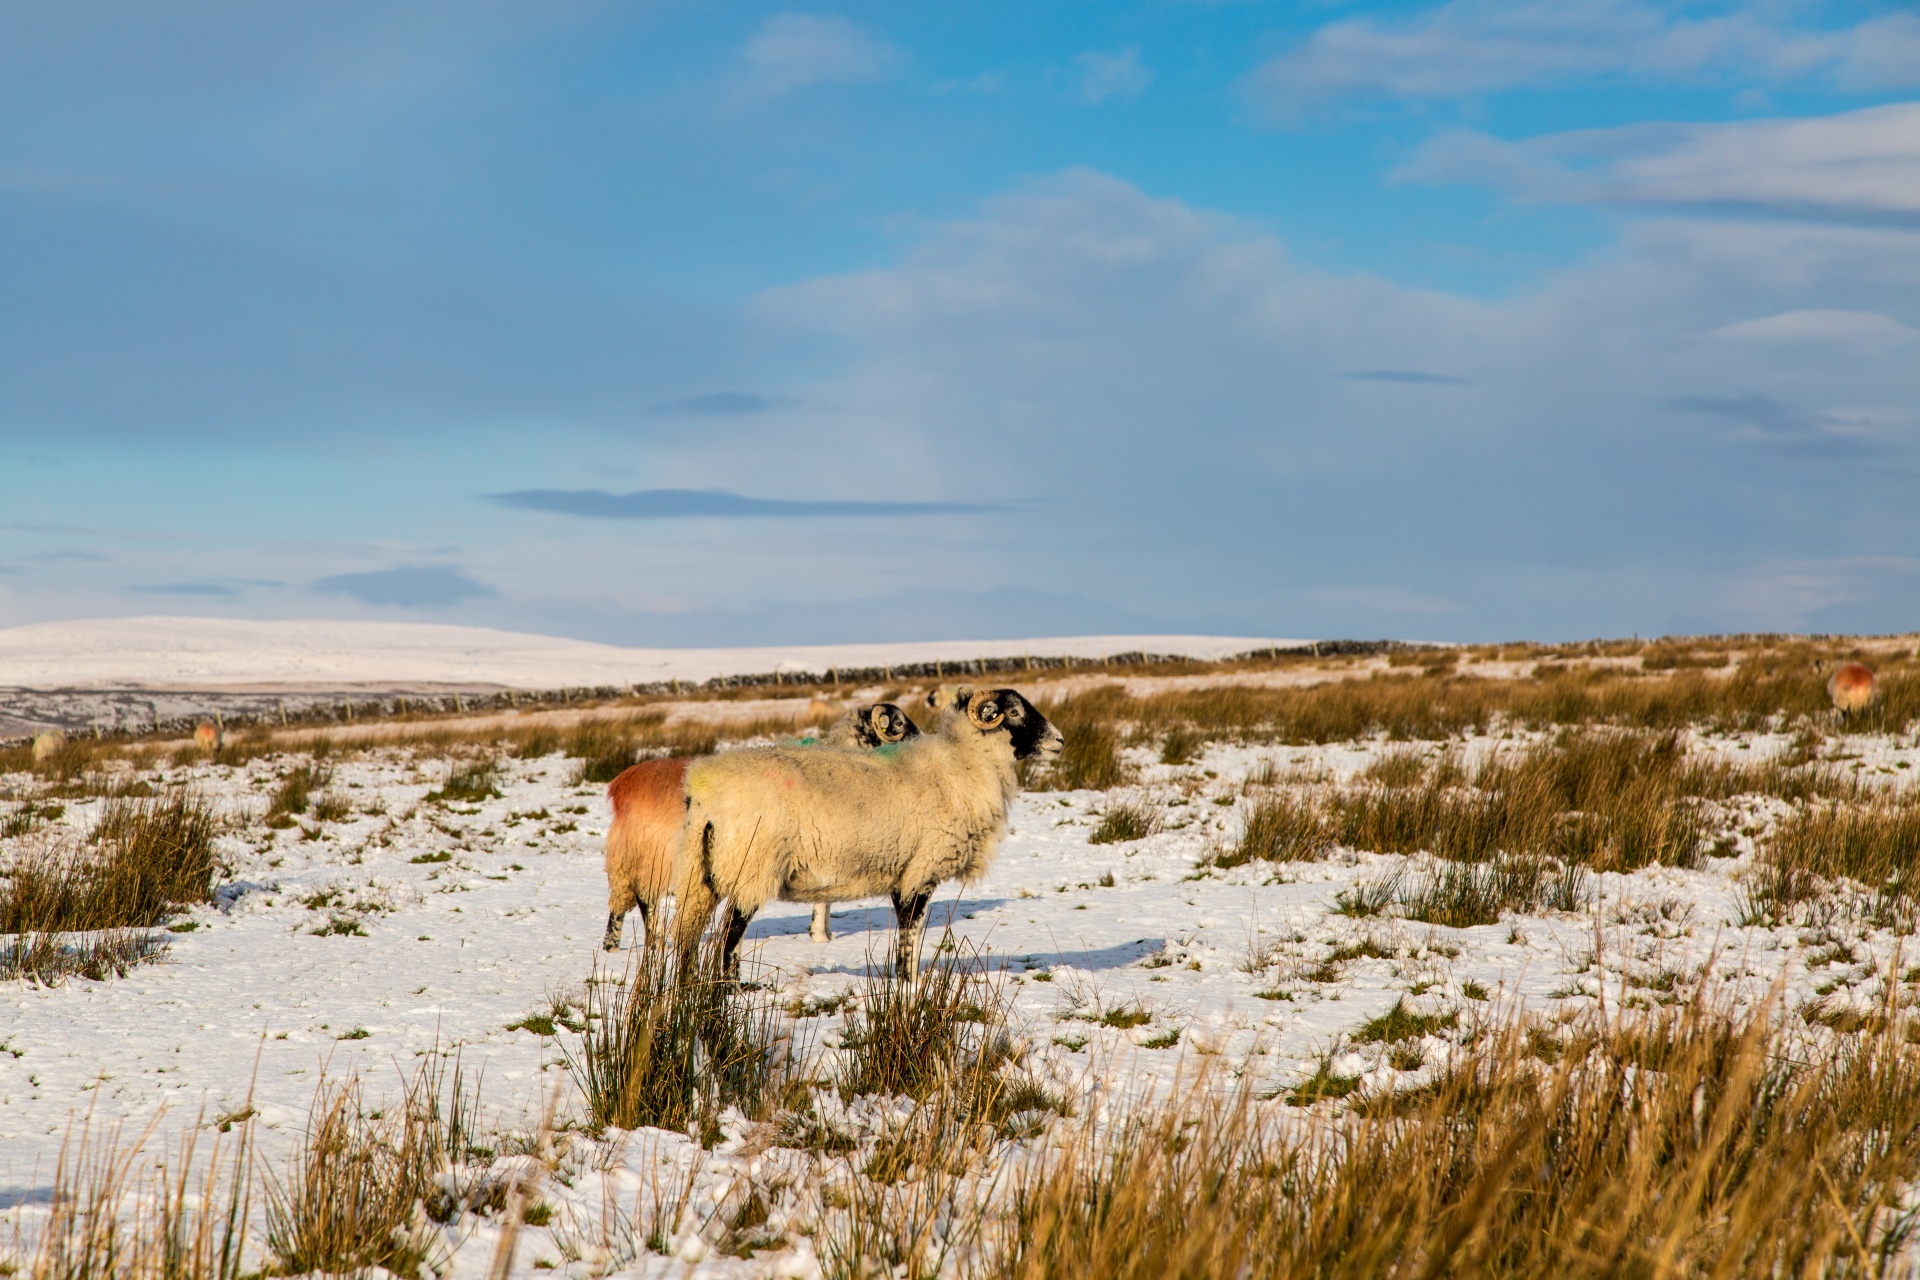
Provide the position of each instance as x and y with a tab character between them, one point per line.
1470	47
793	50
1803	588
1112	75
1871	329
1169	387
1858	165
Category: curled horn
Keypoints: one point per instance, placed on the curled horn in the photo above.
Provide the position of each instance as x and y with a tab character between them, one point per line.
985	711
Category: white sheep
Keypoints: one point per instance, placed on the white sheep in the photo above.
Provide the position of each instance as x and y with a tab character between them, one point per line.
47	744
649	808
879	725
820	824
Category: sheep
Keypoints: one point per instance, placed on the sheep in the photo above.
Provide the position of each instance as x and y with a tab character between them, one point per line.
1850	687
206	736
47	744
943	698
649	802
816	825
873	726
649	806
879	725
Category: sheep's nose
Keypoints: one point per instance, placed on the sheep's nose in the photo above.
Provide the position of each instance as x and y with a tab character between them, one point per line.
1053	742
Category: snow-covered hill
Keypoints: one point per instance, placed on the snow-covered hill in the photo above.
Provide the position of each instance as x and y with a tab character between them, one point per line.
215	652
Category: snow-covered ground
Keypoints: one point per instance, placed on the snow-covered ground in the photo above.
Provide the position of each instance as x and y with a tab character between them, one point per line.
214	652
412	923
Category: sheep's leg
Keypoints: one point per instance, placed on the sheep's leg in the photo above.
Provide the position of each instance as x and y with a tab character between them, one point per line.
736	928
620	900
697	901
821	930
646	929
910	920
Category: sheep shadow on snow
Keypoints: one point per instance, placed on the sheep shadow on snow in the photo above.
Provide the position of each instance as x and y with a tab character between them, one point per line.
876	919
876	916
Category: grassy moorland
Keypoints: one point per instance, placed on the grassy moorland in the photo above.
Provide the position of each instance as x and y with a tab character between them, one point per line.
1584	960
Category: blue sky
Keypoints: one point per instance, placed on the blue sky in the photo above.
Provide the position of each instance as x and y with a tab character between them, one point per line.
688	324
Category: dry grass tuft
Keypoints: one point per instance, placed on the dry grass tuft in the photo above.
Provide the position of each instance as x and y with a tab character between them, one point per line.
1279	828
1123	821
296	792
470	783
671	1050
366	1188
85	908
908	1037
1875	843
114	1217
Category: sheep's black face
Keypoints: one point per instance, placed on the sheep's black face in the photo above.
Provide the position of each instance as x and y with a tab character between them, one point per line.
1006	711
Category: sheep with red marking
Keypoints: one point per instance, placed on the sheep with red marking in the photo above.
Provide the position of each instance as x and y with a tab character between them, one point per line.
819	825
649	808
1850	688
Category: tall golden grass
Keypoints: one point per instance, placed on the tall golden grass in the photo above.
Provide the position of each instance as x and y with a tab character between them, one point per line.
145	860
1608	799
1443	705
1693	1144
1873	841
114	1215
1701	1140
669	1048
365	1188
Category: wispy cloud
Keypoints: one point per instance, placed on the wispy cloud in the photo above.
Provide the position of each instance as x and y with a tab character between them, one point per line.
1120	74
408	586
723	404
676	504
1471	47
1856	166
1872	330
793	50
1765	418
182	589
1413	376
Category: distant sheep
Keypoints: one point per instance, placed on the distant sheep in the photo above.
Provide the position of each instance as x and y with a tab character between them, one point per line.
47	745
649	809
206	736
1851	688
813	825
943	698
